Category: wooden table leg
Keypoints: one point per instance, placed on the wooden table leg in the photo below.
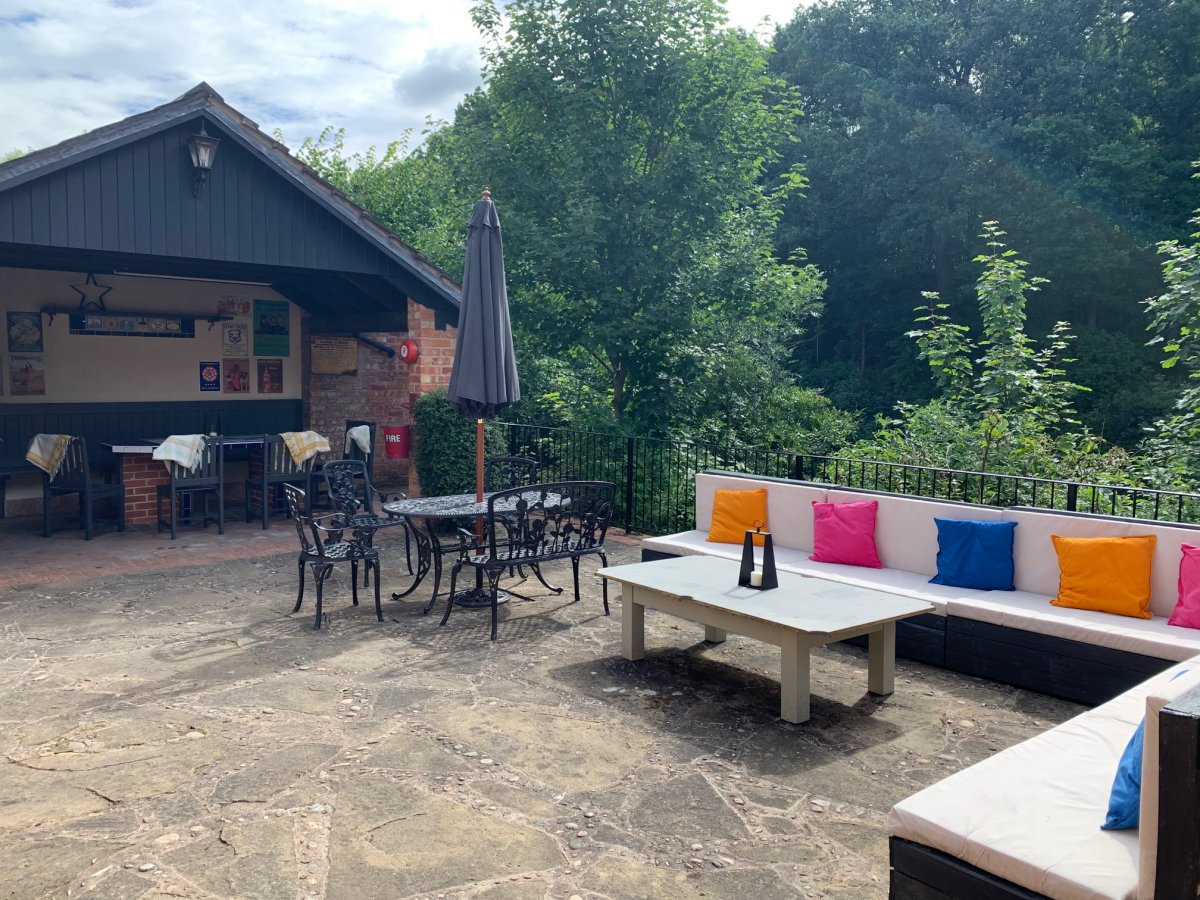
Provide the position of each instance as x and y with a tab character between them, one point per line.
881	659
714	635
794	681
633	624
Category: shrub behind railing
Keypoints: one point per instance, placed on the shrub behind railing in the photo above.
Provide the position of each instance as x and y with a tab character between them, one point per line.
655	478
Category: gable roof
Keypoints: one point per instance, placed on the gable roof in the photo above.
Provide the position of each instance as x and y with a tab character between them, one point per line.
203	100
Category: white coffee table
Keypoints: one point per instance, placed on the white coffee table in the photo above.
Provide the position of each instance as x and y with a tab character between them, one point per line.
802	613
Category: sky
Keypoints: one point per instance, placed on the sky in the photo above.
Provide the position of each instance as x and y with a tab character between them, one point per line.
372	67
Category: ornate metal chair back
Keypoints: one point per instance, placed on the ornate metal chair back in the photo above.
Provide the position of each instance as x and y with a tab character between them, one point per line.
505	472
347	482
297	505
550	520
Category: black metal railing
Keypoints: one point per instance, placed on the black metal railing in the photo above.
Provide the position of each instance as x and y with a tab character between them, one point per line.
655	478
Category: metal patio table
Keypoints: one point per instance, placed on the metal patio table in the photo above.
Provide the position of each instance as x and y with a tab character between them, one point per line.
424	515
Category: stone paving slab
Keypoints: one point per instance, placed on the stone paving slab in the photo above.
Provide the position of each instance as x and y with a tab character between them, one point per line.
171	730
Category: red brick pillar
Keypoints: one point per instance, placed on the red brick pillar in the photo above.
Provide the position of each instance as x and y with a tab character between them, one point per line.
381	390
141	476
432	369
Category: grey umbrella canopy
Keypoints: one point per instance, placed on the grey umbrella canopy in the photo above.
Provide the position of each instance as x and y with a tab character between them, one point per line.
484	378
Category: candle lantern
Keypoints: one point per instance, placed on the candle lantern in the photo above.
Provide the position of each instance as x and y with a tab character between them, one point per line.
748	576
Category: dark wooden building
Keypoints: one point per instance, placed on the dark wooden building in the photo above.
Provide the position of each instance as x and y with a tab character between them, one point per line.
122	263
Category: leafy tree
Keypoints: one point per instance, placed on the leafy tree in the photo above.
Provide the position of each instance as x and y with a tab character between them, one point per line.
1172	454
627	142
412	192
1067	119
1004	405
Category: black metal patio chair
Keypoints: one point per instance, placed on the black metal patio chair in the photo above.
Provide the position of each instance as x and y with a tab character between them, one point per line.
351	493
326	549
541	523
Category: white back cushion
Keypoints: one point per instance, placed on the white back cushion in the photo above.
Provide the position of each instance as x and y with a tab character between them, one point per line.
905	533
789	506
1037	563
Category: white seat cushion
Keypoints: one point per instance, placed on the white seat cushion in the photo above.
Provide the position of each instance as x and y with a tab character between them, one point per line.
1031	814
1033	612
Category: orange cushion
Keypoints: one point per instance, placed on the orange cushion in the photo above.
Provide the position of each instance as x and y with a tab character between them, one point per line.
735	513
1107	574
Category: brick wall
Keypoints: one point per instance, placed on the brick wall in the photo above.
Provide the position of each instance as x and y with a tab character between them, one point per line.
381	390
142	476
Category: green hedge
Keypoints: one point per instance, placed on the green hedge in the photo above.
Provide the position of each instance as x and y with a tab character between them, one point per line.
444	445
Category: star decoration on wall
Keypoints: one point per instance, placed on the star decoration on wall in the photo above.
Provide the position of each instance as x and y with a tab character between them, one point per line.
91	293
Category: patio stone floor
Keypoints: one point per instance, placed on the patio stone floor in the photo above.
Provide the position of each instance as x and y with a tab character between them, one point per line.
169	729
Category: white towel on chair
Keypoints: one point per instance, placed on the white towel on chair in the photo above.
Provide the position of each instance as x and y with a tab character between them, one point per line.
183	449
304	445
361	435
47	451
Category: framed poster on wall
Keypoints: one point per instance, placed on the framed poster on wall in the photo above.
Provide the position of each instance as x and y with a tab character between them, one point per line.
234	339
237	376
210	375
270	376
27	374
271	328
24	332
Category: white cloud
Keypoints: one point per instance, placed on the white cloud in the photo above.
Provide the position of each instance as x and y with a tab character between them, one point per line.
373	67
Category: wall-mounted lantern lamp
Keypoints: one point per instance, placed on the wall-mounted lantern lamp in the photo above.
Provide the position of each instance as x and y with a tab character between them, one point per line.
203	148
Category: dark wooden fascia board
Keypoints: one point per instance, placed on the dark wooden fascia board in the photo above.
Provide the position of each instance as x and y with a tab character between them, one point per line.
354	323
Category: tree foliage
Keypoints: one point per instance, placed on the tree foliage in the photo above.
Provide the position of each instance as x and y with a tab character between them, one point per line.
1004	403
627	143
412	192
1073	121
1172	453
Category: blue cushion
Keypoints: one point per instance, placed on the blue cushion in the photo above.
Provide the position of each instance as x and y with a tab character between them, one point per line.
1126	794
975	554
1126	797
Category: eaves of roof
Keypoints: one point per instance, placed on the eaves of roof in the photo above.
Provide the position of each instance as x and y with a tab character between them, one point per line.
203	100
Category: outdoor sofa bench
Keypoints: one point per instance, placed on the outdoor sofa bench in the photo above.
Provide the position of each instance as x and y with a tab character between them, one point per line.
1015	637
1025	822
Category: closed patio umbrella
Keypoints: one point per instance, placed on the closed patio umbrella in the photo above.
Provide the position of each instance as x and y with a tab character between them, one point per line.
484	378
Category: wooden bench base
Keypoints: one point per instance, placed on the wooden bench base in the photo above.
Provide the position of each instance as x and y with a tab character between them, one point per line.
921	873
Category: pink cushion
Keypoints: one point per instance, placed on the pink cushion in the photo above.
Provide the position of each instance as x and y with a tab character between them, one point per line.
845	533
1187	610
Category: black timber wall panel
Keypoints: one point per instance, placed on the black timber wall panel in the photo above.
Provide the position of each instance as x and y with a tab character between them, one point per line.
128	422
138	199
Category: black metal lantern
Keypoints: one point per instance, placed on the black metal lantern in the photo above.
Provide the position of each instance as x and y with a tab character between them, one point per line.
768	578
203	148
